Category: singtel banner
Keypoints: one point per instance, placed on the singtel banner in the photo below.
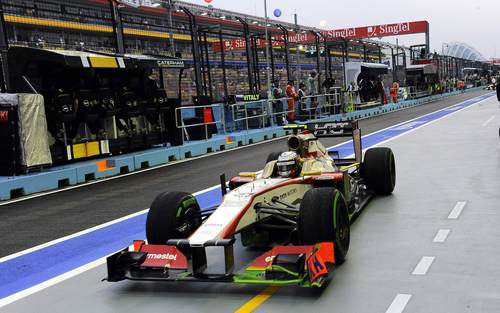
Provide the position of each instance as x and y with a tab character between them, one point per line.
138	3
384	30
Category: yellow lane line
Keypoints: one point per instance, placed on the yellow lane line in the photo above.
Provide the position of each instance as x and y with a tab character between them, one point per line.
257	301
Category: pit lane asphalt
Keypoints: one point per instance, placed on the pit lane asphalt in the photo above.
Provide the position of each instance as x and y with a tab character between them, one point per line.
35	221
455	159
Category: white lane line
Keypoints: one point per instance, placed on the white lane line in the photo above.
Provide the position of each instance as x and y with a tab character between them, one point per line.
457	210
430	122
48	283
46	193
102	180
423	266
488	121
86	231
399	303
53	281
441	235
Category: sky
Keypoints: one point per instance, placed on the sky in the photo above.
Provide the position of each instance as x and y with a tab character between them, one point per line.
475	22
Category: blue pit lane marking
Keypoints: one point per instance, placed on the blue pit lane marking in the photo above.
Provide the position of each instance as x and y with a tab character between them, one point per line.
38	266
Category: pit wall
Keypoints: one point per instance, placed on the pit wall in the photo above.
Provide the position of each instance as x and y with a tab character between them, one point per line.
65	176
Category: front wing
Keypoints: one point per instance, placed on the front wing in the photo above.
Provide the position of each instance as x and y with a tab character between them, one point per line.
307	266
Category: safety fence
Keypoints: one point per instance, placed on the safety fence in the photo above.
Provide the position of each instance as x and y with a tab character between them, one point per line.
81	172
242	116
202	122
259	114
198	128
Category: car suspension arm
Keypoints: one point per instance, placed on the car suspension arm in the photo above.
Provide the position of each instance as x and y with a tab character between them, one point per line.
259	206
277	213
288	205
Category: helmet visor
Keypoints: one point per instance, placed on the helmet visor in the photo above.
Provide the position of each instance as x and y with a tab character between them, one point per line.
286	168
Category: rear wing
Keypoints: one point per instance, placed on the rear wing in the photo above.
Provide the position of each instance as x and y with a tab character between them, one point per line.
334	130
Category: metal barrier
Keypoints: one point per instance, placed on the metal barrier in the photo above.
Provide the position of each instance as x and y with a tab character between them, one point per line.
240	112
274	112
243	116
182	111
270	112
318	106
414	93
277	114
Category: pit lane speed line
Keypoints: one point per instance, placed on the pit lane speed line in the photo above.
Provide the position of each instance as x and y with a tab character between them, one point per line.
35	281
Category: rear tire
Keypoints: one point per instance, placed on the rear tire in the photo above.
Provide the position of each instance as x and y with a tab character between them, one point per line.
173	215
379	170
323	217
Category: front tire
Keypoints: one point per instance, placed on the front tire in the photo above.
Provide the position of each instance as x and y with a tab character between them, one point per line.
323	217
379	170
173	215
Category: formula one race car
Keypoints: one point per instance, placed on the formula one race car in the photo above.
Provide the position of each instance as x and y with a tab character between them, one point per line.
300	207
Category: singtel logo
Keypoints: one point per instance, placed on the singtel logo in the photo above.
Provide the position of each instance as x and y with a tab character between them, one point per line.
394	29
341	33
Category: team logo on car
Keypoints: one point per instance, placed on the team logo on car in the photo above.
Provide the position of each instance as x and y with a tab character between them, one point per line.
270	258
162	256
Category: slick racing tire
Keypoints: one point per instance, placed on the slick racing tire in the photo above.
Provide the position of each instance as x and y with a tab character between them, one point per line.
379	170
323	217
273	156
173	215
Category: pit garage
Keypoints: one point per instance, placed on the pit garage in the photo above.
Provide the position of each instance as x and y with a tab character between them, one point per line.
99	104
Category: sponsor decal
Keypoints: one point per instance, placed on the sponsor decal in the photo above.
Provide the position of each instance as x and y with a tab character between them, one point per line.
270	258
388	29
287	194
165	256
251	97
341	33
212	225
335	34
494	61
230	139
171	63
331	128
138	3
316	267
4	116
264	260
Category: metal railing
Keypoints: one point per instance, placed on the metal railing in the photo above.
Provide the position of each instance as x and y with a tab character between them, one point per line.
269	112
240	116
276	114
180	113
318	106
240	112
414	93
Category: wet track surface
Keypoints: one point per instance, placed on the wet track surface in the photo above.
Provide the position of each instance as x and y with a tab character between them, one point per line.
447	183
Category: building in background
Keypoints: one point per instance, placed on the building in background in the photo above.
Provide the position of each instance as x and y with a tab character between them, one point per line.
87	24
463	51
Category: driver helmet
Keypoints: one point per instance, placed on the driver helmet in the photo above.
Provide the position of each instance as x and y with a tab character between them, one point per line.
288	164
